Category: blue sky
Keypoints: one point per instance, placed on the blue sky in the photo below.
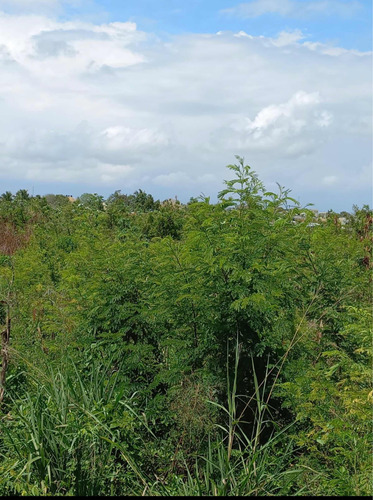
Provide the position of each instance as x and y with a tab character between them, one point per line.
340	22
99	95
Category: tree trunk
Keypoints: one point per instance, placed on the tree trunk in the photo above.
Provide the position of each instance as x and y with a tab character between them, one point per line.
5	337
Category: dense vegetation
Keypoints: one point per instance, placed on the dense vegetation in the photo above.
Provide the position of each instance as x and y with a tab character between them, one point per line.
169	349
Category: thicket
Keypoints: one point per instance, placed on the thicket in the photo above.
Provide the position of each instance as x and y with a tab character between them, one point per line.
201	349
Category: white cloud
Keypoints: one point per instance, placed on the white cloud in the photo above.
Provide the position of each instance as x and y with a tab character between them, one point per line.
172	179
272	114
37	6
104	174
329	179
291	129
110	106
113	173
288	37
120	138
55	155
295	8
332	51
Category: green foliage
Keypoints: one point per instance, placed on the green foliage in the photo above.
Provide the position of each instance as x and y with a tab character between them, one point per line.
69	434
91	201
249	189
332	399
202	349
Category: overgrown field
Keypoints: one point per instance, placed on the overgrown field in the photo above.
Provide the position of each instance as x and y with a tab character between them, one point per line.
199	349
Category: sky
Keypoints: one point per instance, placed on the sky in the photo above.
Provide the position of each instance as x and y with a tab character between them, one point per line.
105	95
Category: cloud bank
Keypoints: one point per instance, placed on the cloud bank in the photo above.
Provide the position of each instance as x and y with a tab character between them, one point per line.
107	107
295	8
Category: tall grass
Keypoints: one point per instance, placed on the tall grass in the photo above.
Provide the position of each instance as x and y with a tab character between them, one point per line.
236	464
75	434
66	435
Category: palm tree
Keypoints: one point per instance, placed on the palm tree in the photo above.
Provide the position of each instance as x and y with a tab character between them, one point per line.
7	196
22	194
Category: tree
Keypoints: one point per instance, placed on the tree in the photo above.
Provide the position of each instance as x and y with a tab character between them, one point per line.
93	202
22	195
7	196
